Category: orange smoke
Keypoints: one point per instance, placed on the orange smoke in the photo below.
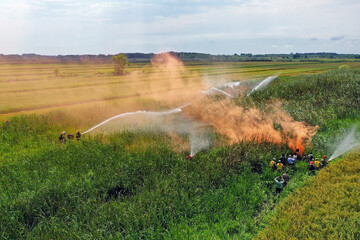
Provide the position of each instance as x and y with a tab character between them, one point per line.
228	119
238	124
175	86
167	81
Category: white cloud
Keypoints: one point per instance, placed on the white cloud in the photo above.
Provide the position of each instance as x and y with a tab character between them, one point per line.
259	25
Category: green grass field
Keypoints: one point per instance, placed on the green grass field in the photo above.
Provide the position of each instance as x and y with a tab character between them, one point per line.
131	185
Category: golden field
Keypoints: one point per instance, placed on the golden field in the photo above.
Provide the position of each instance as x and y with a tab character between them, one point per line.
29	87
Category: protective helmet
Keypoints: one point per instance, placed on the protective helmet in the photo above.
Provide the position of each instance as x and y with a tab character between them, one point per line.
324	156
78	131
274	159
279	161
187	157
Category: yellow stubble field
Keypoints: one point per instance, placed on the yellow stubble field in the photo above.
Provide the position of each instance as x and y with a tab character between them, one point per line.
92	91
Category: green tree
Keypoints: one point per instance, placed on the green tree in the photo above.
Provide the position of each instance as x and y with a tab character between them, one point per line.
120	62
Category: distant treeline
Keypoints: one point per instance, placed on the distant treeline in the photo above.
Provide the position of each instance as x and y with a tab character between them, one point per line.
185	56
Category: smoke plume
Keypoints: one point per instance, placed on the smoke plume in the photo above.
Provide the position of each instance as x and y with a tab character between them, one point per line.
239	124
167	84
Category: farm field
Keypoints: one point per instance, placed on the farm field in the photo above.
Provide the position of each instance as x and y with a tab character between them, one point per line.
25	88
133	184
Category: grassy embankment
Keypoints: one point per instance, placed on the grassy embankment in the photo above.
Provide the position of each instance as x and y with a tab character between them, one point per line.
327	208
123	189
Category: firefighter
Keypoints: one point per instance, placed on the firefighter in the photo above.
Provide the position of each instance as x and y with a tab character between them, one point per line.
297	154
273	164
286	178
283	159
311	167
61	137
280	166
291	161
64	136
324	161
70	136
317	164
78	135
279	184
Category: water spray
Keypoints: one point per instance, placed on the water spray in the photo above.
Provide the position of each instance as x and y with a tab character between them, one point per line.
199	140
172	111
214	89
230	85
346	145
262	84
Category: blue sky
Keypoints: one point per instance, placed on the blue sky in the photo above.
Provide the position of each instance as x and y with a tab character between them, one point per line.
218	27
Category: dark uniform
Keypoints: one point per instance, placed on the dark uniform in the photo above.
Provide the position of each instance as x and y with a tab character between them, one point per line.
78	135
61	138
312	167
70	136
283	159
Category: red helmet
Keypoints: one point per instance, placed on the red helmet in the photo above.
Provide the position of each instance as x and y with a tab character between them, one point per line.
187	157
324	156
78	130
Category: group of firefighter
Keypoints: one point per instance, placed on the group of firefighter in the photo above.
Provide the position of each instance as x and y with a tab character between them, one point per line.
314	164
63	137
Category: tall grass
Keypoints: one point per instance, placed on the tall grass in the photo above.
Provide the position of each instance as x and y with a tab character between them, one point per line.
330	100
104	190
316	98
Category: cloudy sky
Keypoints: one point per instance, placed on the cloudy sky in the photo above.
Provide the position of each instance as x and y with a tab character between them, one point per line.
209	26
